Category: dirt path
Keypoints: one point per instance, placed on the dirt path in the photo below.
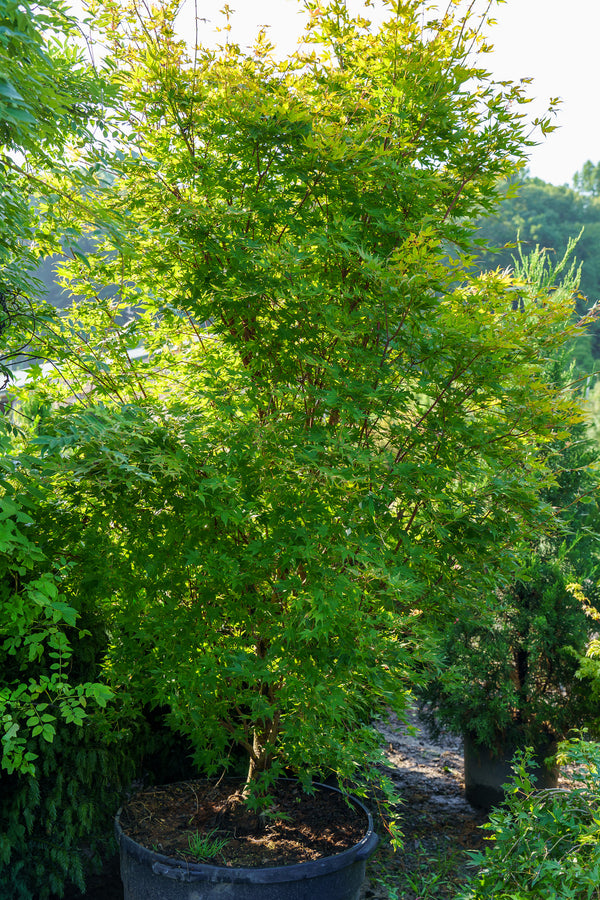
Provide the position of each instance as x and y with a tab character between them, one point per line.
439	825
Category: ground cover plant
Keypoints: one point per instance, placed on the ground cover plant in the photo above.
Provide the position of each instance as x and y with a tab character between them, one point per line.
319	432
544	843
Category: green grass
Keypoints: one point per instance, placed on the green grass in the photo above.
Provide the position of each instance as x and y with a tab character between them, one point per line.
434	872
206	846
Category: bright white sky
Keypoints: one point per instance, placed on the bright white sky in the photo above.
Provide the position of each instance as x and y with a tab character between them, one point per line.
554	41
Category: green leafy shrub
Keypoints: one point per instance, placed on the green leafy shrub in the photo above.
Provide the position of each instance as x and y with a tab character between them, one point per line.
544	843
511	674
323	443
36	687
62	766
67	753
56	827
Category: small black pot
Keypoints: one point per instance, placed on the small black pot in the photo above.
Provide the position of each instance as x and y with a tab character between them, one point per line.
488	769
148	875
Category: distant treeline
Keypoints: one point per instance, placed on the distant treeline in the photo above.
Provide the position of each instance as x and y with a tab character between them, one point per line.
539	214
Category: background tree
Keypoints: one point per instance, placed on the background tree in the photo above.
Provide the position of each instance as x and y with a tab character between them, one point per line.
55	777
587	181
51	103
533	213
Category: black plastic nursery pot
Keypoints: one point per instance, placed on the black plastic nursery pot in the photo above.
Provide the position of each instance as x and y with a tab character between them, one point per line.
488	769
148	875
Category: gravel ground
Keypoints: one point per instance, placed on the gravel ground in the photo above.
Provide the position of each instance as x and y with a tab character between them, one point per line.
438	824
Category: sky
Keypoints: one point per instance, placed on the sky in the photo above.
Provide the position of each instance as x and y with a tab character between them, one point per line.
555	42
558	44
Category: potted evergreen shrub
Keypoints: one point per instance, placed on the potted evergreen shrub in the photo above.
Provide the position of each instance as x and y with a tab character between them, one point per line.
511	677
290	477
508	680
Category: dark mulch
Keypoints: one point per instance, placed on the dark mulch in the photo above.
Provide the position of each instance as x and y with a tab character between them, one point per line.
295	828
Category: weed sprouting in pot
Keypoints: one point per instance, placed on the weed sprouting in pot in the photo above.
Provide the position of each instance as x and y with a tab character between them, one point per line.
207	846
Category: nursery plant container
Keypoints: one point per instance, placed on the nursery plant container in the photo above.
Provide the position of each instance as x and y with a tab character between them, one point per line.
148	875
487	769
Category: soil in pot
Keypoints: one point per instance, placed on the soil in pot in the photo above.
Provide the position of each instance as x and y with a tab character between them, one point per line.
296	828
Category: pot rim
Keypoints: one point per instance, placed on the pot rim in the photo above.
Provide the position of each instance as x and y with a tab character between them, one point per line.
511	742
182	870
